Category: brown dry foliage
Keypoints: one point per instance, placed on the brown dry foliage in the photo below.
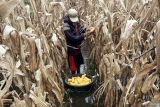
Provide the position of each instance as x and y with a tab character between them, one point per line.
126	32
33	54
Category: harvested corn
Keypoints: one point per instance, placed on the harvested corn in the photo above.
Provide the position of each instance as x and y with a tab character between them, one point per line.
83	80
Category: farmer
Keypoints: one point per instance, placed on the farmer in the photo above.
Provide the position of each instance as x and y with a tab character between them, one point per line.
74	34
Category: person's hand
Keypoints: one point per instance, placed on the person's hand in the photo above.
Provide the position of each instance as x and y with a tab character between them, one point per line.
91	29
89	32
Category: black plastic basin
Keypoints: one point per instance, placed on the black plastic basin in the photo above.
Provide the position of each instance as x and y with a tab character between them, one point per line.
86	87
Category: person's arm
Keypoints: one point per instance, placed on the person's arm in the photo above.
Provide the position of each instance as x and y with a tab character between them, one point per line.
73	38
82	29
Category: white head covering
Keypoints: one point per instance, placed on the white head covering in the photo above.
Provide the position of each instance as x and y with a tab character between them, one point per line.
73	15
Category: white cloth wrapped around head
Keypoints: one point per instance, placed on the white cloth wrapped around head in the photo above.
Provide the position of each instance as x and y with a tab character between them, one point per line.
73	15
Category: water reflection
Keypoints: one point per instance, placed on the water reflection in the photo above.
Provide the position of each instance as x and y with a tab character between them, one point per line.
80	99
89	100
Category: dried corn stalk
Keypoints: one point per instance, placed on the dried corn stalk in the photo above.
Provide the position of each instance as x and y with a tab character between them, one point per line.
122	47
34	60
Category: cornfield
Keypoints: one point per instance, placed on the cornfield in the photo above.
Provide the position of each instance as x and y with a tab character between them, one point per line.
125	48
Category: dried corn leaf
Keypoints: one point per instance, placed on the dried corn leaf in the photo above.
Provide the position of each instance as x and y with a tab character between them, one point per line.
148	83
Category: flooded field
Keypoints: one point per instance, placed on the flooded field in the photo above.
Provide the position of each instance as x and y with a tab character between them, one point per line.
74	98
80	99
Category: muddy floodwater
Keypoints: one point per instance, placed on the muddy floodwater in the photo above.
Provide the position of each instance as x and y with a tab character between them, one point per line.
80	99
75	98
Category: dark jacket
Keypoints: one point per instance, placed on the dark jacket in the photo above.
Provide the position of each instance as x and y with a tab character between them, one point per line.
72	38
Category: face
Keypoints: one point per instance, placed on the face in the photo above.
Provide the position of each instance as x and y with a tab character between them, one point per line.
75	23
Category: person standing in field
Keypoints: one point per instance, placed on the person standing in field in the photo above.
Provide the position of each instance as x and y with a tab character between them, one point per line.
74	34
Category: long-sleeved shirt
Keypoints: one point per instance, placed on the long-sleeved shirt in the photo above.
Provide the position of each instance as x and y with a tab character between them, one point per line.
74	33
